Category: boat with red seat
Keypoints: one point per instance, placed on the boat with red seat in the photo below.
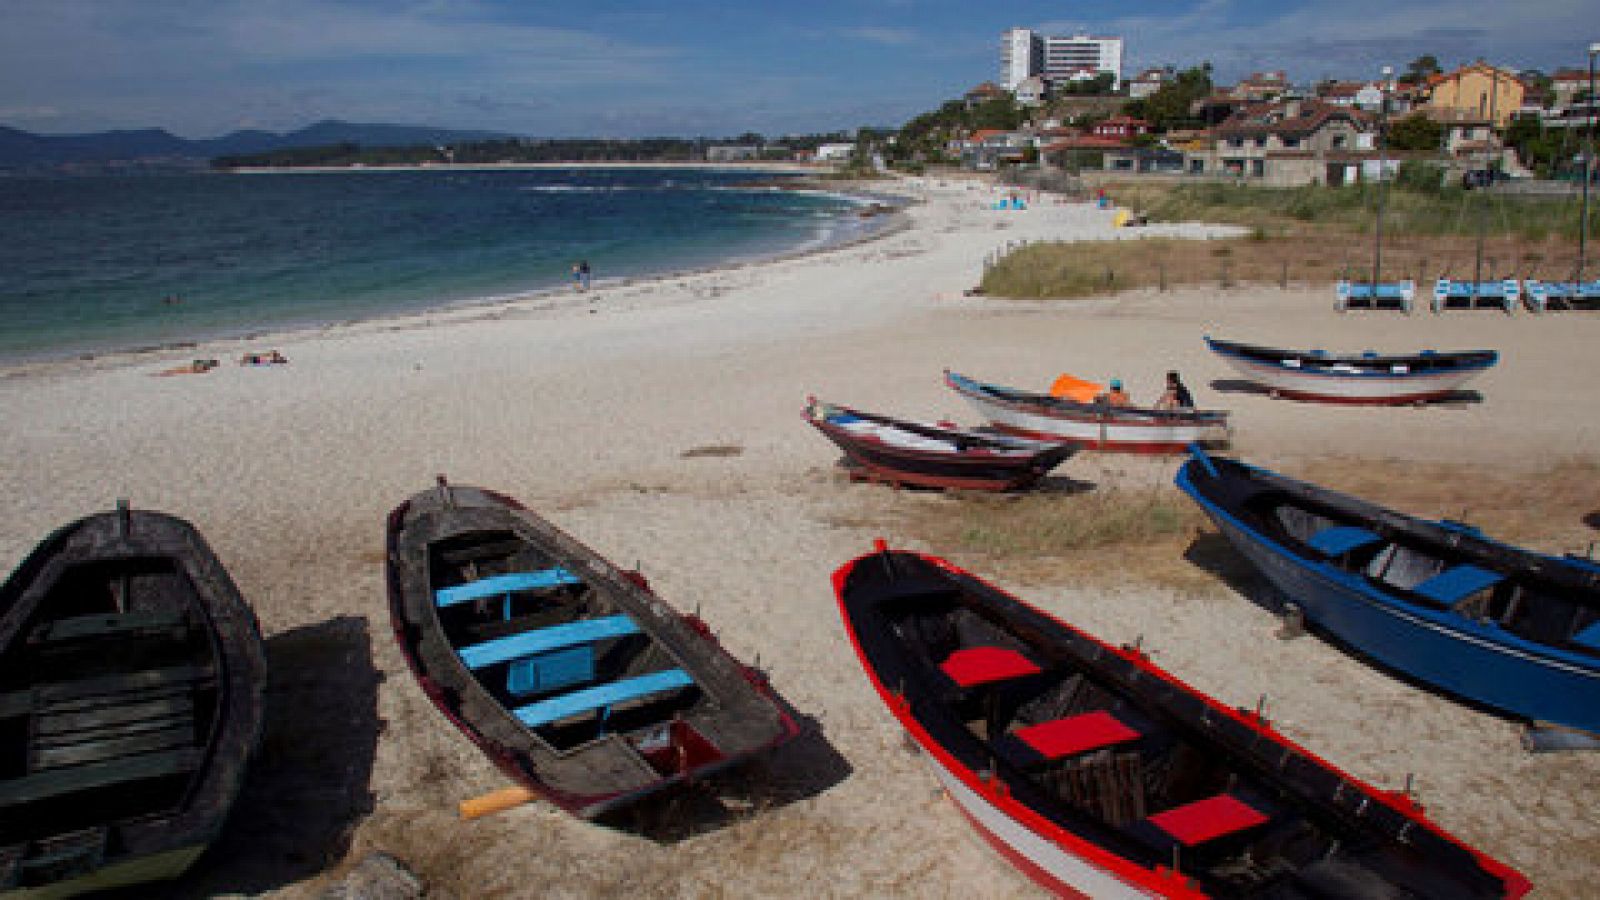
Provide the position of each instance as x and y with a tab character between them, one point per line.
570	674
1100	775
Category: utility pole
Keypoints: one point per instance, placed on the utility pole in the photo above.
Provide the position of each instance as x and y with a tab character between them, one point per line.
1377	225
1588	169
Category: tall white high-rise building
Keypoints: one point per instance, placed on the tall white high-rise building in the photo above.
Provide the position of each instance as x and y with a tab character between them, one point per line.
1021	56
1024	52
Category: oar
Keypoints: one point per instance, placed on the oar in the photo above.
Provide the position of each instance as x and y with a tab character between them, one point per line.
495	801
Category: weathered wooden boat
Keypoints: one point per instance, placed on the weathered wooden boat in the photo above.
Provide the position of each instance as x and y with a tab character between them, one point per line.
1366	378
899	452
570	675
1098	426
131	679
1510	629
1100	775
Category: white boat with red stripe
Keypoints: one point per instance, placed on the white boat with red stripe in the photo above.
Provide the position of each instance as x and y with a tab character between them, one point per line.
1098	426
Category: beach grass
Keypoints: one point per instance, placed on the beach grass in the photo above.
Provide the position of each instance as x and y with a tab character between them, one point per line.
1301	236
1156	535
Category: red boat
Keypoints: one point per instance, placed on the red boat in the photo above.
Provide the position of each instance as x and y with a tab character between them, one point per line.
898	452
1099	775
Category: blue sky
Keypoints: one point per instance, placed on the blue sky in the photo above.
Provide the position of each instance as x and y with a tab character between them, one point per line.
559	68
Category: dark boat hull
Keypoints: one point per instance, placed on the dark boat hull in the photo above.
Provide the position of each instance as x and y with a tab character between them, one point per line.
1074	758
726	714
132	672
1472	658
1372	380
974	467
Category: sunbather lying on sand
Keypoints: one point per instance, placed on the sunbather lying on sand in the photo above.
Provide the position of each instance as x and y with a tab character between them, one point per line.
198	367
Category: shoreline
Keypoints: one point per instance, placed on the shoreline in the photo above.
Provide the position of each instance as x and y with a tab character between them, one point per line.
885	222
752	167
597	412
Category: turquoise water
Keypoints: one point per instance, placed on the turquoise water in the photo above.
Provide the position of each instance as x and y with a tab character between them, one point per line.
90	265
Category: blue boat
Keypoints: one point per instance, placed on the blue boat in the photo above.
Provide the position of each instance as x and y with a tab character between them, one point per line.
1508	629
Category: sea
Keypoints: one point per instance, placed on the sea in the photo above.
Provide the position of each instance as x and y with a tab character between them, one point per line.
93	265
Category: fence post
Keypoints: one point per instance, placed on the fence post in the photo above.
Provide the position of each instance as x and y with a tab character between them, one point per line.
1161	271
1283	280
1224	277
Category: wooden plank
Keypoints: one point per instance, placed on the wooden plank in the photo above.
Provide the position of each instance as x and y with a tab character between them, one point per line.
173	736
601	696
63	692
60	723
542	640
62	782
504	584
108	625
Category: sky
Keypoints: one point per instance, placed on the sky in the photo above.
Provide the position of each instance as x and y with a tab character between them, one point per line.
714	68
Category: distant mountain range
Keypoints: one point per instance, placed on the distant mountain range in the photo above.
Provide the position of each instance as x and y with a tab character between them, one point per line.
154	146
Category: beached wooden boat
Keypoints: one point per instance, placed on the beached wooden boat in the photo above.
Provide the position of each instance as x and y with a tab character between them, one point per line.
899	452
1363	378
1099	775
1098	426
573	678
1503	627
131	679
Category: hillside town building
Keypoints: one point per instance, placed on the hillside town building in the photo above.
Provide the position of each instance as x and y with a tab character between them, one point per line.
1058	60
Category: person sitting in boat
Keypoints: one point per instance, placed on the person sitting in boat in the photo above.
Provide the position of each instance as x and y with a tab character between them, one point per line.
1177	395
1116	396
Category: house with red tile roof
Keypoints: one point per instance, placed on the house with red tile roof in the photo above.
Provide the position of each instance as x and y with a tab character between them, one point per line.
1121	127
1289	143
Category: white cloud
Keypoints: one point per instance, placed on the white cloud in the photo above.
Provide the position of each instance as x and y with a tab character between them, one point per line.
897	37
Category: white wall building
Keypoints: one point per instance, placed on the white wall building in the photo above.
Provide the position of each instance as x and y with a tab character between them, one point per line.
1024	53
835	152
1065	57
1021	57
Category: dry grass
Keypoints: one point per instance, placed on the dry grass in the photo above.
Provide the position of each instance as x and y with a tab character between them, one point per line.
1295	257
1301	236
1158	536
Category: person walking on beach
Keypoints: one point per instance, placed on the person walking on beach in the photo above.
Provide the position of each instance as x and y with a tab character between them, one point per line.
581	275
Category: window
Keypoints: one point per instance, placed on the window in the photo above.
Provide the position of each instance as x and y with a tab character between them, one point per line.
1291	142
1261	142
1338	141
1235	142
1258	167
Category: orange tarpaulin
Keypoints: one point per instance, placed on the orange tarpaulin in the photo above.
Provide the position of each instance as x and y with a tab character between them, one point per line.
1076	389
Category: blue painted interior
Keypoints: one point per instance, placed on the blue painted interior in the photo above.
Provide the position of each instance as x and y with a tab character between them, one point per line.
1457	583
504	584
602	697
543	640
1341	539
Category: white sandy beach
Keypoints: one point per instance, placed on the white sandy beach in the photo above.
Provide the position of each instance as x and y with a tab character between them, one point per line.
584	406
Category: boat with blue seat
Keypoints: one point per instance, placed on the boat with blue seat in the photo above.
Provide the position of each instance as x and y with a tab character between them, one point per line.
1506	628
571	675
1098	774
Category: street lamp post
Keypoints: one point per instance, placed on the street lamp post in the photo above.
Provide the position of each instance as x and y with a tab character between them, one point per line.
1377	224
1588	169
